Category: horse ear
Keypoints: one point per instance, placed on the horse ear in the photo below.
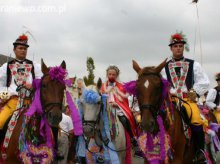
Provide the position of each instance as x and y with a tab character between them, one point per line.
161	66
136	67
44	68
99	83
63	64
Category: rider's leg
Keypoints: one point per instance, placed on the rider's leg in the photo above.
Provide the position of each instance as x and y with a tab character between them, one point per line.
7	111
198	138
126	125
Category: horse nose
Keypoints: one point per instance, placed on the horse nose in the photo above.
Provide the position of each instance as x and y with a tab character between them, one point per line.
54	118
148	126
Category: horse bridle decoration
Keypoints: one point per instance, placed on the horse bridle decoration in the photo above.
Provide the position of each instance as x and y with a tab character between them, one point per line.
93	124
89	122
95	130
151	106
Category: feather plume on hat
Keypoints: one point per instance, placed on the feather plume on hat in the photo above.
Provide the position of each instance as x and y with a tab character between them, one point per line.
179	37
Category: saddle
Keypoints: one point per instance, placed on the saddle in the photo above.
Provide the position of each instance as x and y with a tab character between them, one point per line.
183	113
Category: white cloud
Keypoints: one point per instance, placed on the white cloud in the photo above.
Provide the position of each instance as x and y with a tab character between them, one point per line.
112	32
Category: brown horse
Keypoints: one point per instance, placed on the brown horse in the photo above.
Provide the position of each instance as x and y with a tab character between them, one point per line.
149	89
51	96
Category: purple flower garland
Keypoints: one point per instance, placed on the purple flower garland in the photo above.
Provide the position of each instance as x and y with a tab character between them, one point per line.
147	138
36	108
77	123
58	73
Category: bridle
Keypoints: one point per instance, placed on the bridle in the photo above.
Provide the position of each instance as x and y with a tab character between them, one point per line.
95	129
93	123
151	106
48	106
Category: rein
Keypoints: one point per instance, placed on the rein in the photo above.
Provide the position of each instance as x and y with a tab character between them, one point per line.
93	124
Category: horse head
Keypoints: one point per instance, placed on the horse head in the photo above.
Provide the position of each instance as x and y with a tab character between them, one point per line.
52	92
91	103
149	94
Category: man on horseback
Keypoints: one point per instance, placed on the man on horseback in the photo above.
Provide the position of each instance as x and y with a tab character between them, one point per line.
185	74
16	78
118	100
213	99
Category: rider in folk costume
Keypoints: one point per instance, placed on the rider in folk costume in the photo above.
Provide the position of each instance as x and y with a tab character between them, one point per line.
213	98
184	75
118	100
16	78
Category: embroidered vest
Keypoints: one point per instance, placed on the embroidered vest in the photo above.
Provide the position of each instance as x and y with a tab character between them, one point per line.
190	75
217	97
8	82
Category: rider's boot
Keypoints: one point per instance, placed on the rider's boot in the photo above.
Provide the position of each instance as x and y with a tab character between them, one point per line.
137	151
198	137
201	159
126	125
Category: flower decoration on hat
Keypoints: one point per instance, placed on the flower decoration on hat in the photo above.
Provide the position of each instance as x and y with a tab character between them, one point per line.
23	37
217	76
21	40
179	37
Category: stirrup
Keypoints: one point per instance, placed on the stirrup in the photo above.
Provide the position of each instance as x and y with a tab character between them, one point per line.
138	154
195	160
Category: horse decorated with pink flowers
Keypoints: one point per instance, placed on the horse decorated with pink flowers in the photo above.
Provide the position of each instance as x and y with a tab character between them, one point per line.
162	135
34	137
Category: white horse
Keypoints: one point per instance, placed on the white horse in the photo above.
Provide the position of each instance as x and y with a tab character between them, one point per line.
91	114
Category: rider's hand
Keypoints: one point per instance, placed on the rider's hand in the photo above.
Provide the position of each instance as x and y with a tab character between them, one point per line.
218	109
113	104
28	86
4	96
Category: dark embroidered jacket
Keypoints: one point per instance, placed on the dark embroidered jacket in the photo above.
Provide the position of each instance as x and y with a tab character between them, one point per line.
8	82
217	96
190	75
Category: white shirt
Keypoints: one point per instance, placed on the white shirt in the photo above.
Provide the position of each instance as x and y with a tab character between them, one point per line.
66	124
211	98
12	88
201	80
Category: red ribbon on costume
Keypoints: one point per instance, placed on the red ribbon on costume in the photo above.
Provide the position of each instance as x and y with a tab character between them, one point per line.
123	104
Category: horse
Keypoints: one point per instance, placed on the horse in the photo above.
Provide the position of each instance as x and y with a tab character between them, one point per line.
92	119
149	88
51	99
